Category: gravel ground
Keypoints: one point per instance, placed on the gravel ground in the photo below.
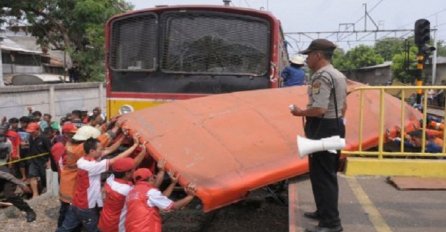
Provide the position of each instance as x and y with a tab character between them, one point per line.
259	212
47	210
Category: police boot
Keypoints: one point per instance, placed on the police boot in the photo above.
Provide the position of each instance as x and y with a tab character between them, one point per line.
23	206
30	216
337	228
312	215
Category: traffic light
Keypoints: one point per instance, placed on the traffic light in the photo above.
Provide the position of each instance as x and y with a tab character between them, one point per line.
422	36
422	32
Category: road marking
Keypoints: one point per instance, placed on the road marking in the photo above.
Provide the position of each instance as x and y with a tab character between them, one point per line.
375	217
293	219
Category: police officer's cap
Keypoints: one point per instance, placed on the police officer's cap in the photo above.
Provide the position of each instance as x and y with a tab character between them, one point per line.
319	45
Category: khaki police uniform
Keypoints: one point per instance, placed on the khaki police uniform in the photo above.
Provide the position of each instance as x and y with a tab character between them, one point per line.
325	84
320	91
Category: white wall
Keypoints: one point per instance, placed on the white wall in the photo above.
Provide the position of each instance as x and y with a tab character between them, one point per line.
20	69
56	99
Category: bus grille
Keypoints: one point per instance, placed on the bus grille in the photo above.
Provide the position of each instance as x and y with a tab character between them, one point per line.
133	43
214	43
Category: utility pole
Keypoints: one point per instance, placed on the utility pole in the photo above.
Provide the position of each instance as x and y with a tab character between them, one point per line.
406	56
434	57
2	83
367	15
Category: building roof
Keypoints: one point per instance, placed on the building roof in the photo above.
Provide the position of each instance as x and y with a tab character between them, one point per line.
440	60
22	42
19	45
383	65
35	79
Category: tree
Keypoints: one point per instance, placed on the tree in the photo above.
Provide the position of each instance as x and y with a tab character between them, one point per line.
402	53
76	26
441	48
402	67
388	47
404	61
358	57
338	58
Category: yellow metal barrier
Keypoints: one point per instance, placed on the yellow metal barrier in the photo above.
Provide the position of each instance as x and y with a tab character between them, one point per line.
381	162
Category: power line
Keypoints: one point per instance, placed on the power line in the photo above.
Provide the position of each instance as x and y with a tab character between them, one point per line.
247	3
348	37
377	4
363	17
439	25
351	35
436	13
366	15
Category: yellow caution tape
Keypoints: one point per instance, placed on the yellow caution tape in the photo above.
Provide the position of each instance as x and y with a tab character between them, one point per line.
27	158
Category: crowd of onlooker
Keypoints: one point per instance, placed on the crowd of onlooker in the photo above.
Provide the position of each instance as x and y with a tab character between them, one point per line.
107	180
25	148
35	134
435	97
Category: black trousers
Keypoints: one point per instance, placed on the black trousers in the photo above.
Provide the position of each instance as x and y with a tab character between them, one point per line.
8	189
323	170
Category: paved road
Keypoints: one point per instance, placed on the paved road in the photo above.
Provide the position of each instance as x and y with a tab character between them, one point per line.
372	204
435	111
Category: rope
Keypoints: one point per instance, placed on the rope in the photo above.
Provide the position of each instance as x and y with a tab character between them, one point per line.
27	158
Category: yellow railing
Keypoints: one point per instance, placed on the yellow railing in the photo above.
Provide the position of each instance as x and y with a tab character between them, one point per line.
381	153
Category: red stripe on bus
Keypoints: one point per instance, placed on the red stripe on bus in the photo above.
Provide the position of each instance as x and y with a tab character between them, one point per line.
176	96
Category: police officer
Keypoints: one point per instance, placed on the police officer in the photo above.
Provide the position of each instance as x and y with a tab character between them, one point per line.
327	93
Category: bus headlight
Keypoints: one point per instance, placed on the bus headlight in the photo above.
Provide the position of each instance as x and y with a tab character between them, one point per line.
125	109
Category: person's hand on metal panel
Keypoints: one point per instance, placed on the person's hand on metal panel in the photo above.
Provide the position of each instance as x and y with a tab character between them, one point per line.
161	164
190	189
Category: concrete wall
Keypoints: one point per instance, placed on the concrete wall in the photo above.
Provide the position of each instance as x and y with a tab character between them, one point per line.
372	76
56	99
383	75
440	76
20	69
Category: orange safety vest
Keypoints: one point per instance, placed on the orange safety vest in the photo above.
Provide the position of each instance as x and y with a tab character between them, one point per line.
68	174
438	142
437	125
434	133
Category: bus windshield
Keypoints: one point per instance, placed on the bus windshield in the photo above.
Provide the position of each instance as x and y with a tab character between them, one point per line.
134	43
191	42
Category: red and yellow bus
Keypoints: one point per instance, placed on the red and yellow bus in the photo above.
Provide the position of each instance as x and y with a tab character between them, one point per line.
180	52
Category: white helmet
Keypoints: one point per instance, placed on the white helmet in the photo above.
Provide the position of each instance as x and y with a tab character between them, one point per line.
86	132
297	59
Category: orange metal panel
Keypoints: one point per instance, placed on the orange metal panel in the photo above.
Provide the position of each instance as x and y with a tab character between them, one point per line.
229	144
392	118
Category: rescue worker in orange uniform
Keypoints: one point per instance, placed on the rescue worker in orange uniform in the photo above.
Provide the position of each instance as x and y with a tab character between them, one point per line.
145	200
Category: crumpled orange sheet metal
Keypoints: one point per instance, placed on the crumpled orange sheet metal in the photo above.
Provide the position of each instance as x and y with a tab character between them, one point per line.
230	144
392	118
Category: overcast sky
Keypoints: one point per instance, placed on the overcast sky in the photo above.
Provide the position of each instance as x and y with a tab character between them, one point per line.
327	15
